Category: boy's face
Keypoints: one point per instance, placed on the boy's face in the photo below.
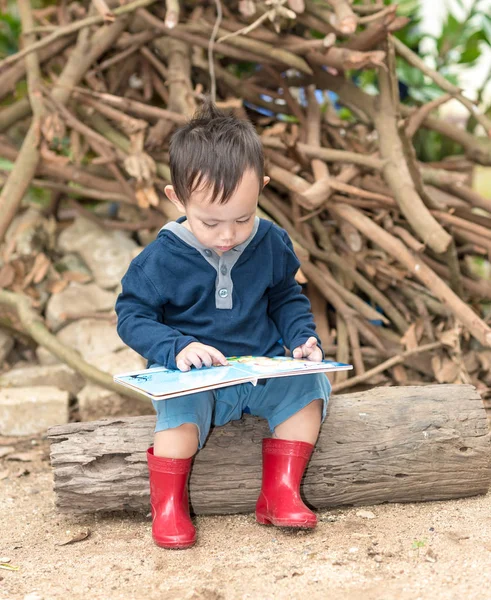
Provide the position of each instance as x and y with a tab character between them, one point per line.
221	226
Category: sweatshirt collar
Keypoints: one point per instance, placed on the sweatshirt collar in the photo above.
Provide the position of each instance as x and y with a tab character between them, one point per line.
187	236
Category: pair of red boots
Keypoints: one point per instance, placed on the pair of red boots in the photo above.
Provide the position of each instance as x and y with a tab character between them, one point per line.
279	503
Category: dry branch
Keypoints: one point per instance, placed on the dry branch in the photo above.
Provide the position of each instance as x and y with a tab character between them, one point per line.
367	220
35	328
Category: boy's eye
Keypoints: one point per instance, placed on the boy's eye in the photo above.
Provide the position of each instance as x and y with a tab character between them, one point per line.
208	225
244	221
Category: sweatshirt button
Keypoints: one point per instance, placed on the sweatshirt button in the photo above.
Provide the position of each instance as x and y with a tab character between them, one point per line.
208	252
223	293
223	270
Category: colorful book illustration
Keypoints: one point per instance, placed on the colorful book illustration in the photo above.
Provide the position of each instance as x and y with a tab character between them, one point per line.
160	383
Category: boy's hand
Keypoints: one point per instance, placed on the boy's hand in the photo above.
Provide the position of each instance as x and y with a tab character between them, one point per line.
198	355
310	350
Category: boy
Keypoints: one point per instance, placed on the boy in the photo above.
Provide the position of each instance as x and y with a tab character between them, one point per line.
220	282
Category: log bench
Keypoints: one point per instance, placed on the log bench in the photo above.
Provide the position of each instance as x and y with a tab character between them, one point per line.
389	444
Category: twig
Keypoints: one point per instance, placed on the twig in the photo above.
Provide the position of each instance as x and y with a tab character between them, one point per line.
345	58
343	348
469	195
211	61
354	339
151	223
82	191
248	28
378	298
181	97
172	10
35	328
414	121
82	56
183	32
346	19
397	173
395	248
9	115
11	76
414	60
475	150
262	49
377	15
67	172
479	289
75	124
72	28
479	230
395	360
328	154
25	166
330	257
351	299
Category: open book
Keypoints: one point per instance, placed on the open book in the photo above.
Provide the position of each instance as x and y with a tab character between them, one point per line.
160	383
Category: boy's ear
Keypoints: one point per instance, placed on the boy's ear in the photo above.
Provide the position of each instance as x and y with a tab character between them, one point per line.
266	180
171	194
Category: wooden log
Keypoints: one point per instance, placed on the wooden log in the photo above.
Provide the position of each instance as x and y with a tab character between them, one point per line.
390	444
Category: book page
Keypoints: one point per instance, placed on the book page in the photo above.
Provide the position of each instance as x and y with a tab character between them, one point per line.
165	382
265	367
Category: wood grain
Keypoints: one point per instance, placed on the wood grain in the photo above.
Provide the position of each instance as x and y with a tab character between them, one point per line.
390	444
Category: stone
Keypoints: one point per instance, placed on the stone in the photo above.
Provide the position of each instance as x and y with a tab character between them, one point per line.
106	253
6	345
77	299
74	264
96	402
45	357
365	514
32	410
30	232
91	338
59	376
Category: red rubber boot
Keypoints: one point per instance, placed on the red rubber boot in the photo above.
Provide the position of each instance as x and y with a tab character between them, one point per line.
279	502
171	524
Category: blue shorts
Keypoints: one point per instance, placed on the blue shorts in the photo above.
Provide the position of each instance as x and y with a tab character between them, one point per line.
275	399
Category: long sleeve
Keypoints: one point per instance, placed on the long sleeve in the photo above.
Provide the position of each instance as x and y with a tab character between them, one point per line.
140	311
288	307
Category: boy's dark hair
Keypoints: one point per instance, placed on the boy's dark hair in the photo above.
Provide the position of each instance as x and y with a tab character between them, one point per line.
214	150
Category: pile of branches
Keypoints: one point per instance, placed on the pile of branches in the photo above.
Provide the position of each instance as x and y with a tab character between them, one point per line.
384	241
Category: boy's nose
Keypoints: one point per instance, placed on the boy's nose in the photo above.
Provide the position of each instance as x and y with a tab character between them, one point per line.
228	235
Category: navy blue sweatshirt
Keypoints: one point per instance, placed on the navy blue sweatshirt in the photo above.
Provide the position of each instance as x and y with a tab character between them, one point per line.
244	302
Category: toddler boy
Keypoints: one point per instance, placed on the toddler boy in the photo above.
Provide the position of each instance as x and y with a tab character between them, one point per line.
221	282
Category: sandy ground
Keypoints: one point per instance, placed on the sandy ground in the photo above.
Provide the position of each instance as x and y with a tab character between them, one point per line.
439	550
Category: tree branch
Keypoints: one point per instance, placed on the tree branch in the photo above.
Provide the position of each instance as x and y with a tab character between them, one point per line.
33	325
476	326
72	28
414	60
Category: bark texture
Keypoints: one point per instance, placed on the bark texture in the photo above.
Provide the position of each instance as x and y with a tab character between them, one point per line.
390	444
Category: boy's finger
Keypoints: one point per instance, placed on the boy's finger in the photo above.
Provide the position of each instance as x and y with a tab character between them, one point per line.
217	356
182	365
206	358
311	342
298	353
195	360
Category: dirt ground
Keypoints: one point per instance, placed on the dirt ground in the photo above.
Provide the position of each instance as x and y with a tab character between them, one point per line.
438	550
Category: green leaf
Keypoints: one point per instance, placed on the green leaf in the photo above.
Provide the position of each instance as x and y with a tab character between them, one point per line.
10	29
408	8
471	50
450	32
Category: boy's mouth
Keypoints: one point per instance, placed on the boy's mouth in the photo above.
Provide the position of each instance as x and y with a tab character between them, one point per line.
224	248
